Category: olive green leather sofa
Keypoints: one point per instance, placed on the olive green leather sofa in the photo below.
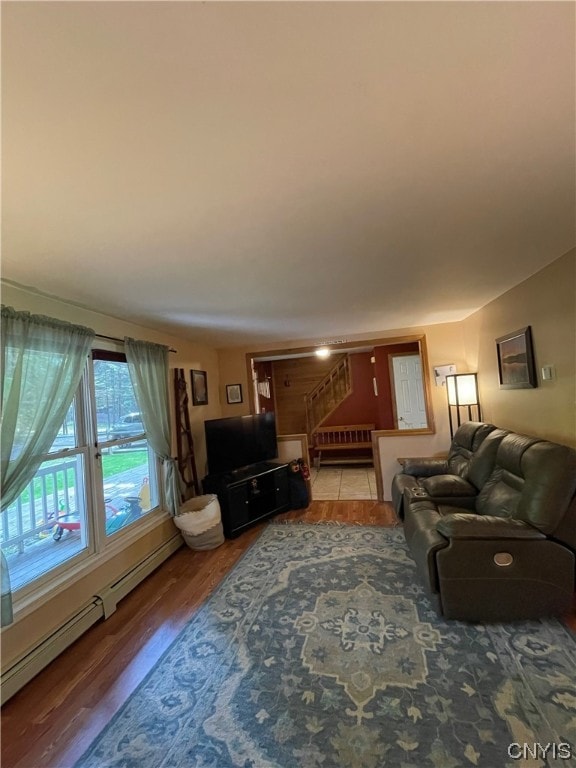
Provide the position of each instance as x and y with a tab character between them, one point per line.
507	550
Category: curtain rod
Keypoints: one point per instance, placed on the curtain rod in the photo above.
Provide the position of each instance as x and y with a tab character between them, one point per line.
115	338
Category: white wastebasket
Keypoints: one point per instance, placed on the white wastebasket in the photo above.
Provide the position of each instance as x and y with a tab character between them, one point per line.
200	522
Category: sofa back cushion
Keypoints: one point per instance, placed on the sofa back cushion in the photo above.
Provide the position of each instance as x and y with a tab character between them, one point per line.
533	480
466	441
483	460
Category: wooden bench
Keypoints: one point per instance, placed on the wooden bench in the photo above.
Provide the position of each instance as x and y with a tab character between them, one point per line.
343	443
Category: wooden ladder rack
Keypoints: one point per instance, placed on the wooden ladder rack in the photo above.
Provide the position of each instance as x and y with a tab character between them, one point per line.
184	441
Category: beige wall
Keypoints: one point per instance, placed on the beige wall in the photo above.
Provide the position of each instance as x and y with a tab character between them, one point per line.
445	345
188	355
26	632
547	303
232	370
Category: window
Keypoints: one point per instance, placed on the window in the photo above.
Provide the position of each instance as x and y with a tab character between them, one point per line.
128	466
99	479
53	502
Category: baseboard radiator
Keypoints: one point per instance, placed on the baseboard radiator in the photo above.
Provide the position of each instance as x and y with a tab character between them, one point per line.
101	607
113	593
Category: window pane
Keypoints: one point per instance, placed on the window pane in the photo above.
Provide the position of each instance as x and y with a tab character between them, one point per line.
129	467
46	525
66	437
115	401
130	488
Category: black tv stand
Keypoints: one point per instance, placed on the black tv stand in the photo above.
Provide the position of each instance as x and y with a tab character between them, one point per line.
249	494
242	473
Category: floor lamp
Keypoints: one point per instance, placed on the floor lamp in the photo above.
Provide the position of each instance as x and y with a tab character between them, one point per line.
462	390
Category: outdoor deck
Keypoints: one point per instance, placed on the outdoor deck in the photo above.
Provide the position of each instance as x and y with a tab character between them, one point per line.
41	556
28	540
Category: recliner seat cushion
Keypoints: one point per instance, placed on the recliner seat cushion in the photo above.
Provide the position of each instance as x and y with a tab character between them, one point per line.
467	441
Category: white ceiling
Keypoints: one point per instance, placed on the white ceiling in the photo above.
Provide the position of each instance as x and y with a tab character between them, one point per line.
258	172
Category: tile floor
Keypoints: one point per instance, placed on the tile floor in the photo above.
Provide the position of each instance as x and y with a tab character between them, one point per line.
341	482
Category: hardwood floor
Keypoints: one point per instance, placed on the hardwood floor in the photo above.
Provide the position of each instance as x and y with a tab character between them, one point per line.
51	721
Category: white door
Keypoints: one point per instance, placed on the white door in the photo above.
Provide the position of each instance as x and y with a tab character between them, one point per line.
409	392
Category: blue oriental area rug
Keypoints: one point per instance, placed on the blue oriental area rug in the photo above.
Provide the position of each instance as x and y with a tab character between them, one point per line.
320	650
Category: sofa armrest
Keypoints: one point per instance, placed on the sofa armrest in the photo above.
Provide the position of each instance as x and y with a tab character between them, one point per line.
459	525
425	467
448	486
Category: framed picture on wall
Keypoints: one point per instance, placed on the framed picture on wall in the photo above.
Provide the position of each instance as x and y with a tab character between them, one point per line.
516	369
440	373
233	393
199	388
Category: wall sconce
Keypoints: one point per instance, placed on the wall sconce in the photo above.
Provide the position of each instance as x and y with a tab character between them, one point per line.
462	390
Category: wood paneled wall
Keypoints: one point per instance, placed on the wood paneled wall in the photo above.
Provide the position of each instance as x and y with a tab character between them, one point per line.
293	380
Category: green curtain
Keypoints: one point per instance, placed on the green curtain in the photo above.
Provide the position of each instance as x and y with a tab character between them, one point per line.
42	363
148	367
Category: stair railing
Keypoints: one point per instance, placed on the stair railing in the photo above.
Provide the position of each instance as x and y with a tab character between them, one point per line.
328	394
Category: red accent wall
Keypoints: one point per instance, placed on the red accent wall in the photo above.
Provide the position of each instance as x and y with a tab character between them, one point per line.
360	407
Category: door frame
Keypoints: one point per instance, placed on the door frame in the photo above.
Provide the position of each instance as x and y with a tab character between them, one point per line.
392	375
347	346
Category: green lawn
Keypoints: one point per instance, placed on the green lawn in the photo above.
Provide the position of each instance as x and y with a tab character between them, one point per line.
113	463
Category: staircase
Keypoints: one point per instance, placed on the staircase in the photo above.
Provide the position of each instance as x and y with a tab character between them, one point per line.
334	387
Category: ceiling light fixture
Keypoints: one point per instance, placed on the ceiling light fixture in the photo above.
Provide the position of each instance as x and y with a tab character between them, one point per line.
323	352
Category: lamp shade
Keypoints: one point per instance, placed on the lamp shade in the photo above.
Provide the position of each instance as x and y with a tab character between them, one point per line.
462	389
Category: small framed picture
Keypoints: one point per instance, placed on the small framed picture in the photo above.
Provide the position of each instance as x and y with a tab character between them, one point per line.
516	367
199	388
441	371
234	393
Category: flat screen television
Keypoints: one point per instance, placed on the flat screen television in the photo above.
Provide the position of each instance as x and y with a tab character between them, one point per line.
239	441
